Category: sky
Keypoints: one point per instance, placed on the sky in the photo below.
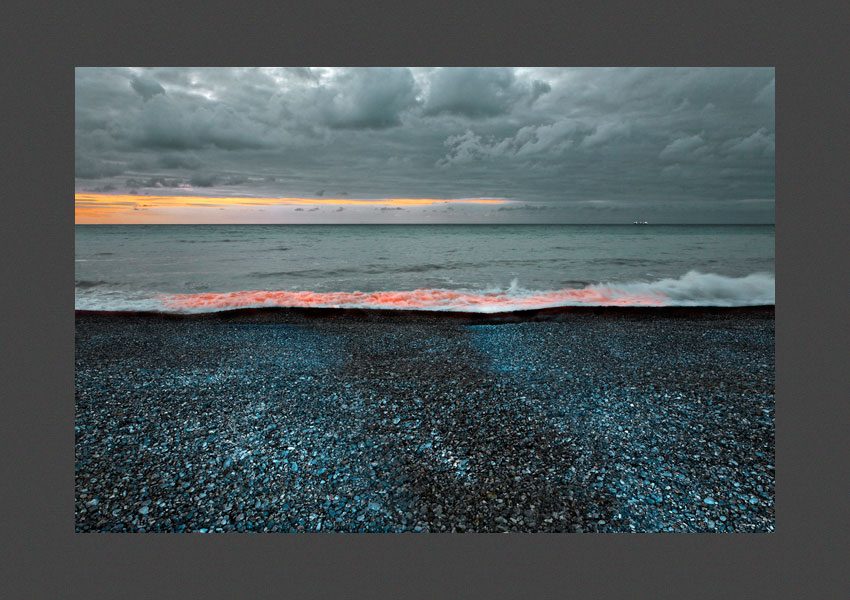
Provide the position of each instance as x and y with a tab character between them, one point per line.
424	145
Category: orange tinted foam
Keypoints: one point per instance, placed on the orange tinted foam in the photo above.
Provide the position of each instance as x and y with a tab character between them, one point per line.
421	299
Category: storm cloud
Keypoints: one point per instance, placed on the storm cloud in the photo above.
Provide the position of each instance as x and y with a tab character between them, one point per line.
563	144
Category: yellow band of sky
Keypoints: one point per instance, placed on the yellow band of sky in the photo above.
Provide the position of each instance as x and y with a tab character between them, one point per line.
116	208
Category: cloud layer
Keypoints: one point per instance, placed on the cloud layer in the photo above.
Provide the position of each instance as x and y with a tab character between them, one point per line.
566	144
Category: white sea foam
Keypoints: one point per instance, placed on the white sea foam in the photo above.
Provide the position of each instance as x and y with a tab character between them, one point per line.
704	289
692	289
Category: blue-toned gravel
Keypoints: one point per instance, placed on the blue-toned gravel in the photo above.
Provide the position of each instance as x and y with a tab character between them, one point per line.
353	421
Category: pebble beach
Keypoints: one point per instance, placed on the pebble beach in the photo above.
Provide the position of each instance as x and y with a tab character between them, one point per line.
287	420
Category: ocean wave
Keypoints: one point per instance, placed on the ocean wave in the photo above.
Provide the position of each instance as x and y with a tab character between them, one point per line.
692	289
86	283
378	269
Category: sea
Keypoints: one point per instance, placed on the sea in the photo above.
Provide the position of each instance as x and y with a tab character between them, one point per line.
471	268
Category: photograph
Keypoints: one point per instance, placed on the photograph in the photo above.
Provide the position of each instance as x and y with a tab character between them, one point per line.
424	299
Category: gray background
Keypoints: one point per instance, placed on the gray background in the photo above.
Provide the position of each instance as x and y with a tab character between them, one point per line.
43	558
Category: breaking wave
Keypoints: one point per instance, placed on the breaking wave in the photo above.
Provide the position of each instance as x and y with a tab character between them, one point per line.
691	289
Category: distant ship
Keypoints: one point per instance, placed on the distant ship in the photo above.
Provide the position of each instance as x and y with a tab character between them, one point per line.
641	223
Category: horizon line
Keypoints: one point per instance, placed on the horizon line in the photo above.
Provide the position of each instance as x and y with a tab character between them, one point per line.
624	223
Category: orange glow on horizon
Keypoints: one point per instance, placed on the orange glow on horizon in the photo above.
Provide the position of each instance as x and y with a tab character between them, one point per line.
128	208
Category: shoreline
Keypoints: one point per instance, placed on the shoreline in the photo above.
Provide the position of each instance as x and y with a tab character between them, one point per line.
533	315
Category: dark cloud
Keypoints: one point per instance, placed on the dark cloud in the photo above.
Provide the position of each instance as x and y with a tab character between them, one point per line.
91	168
685	148
179	161
688	143
478	92
203	180
367	98
196	180
146	87
154	182
102	189
759	144
166	124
